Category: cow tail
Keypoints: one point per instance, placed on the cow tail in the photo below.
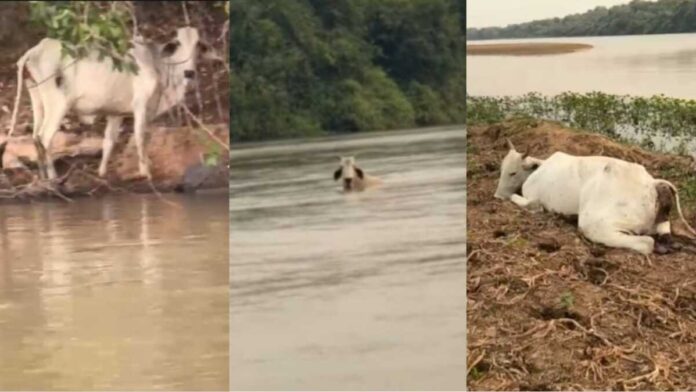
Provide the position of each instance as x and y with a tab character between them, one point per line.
20	78
679	210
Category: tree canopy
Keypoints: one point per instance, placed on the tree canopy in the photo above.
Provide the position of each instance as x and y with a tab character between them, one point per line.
636	17
311	67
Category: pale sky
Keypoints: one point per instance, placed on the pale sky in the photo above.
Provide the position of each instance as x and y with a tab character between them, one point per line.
485	13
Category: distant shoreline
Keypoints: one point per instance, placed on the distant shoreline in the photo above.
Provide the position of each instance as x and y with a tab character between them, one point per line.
524	49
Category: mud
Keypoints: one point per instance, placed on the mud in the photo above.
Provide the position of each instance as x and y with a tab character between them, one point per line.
548	310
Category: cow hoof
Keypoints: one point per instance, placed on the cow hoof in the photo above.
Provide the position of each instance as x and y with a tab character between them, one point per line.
662	249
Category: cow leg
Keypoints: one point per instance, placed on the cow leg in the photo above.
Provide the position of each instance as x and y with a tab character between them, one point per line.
139	122
37	107
664	233
525	203
113	129
40	158
616	239
53	114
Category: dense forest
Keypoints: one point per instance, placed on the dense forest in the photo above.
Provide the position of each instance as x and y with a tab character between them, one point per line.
636	17
312	67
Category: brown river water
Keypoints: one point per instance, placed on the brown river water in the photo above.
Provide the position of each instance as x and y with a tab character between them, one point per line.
363	291
116	293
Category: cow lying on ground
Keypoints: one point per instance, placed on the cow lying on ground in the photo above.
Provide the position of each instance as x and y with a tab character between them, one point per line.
354	179
90	87
618	203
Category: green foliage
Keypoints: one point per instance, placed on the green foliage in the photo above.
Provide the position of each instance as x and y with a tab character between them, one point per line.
567	300
485	110
308	67
475	373
86	26
636	17
211	159
373	103
613	115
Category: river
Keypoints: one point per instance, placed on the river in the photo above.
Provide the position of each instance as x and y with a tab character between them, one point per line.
642	65
115	293
362	291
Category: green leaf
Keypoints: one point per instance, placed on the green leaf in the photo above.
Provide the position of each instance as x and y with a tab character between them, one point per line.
212	159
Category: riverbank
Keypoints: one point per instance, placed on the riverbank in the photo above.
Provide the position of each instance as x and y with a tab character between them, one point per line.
180	161
525	49
546	310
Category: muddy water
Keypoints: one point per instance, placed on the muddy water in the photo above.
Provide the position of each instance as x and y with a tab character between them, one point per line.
664	64
360	291
126	293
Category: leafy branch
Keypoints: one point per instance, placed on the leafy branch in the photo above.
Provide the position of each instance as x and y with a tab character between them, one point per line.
86	27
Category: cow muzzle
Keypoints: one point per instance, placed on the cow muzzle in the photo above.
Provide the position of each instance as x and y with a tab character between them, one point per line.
502	195
347	184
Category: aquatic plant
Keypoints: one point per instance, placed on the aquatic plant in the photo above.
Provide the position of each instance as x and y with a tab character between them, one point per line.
656	122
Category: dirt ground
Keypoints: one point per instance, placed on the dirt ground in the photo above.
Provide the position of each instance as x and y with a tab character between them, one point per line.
175	145
524	49
548	310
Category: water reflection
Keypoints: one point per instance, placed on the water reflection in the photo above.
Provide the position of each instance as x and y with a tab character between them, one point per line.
103	294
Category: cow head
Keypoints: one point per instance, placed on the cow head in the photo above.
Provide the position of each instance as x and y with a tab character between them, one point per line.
516	167
182	54
348	171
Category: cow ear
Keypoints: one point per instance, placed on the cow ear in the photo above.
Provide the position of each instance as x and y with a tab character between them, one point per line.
530	164
208	52
170	48
337	173
359	172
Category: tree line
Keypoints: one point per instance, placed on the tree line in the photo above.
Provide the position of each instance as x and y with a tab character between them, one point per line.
636	17
311	67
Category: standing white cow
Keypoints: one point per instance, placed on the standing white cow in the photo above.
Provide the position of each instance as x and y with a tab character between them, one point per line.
91	87
354	179
618	203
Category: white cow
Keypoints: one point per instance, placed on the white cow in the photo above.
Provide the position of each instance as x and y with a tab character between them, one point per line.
354	179
618	203
91	87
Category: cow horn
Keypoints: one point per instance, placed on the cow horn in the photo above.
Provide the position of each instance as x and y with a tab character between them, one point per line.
512	146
